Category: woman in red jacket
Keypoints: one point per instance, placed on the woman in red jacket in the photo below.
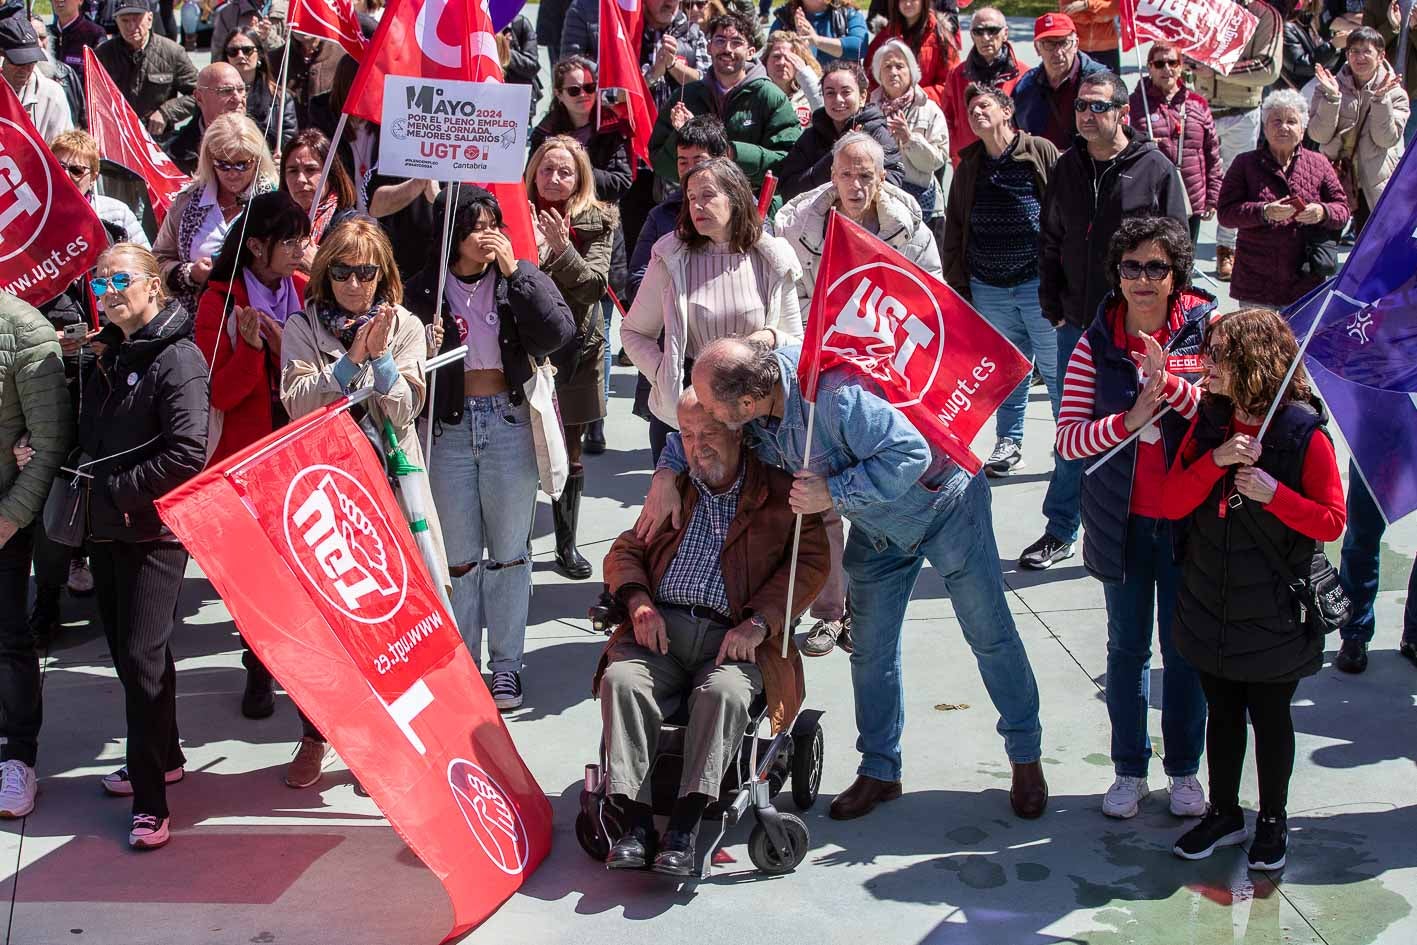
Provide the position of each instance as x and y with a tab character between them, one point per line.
933	38
254	285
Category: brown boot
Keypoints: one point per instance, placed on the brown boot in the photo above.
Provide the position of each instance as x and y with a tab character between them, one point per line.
862	797
1224	263
1029	793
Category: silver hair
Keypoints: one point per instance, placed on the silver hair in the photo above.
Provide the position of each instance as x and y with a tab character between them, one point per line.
872	146
994	10
1285	98
899	47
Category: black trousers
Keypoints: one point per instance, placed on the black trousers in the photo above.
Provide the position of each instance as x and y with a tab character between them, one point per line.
138	586
20	707
1267	705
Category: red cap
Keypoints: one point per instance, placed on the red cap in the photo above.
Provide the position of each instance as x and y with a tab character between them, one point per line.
1052	24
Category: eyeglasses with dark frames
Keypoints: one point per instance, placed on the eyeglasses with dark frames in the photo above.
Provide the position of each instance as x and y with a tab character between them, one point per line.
576	91
1154	269
986	30
1097	108
342	273
232	167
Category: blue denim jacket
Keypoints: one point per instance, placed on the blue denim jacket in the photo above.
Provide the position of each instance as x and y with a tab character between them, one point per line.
881	472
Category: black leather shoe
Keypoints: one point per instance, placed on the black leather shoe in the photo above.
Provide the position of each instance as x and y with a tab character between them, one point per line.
1352	656
676	854
631	852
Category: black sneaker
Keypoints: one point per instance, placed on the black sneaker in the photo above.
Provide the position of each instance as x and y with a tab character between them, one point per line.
1007	457
1408	648
1216	829
1044	553
1271	843
1352	656
507	690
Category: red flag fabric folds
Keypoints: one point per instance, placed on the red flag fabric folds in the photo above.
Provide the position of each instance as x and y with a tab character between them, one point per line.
49	234
330	19
621	28
932	356
123	139
1212	32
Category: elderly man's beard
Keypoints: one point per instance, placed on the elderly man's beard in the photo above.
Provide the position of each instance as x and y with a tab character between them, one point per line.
713	470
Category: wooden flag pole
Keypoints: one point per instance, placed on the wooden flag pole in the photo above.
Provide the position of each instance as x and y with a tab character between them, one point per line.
797	534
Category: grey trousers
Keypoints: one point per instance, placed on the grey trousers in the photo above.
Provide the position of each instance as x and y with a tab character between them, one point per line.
640	688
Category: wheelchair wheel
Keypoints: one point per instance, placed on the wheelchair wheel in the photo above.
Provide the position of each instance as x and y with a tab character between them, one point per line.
765	858
592	841
807	753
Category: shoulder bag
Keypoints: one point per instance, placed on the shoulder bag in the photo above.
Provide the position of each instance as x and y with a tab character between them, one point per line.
553	465
1324	605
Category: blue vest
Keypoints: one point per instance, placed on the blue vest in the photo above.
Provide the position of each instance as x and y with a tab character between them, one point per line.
1107	493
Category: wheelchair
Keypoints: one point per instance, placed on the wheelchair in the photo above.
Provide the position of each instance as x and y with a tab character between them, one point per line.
778	841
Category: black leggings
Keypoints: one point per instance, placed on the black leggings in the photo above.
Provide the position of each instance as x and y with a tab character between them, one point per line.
1267	705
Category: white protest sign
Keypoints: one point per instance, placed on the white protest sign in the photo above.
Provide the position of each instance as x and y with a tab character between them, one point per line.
450	130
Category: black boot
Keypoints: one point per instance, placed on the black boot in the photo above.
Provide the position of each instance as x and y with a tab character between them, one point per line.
595	437
566	512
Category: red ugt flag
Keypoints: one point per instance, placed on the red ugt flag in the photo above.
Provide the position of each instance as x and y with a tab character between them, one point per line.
49	234
123	139
330	19
621	29
413	40
1211	32
302	538
935	358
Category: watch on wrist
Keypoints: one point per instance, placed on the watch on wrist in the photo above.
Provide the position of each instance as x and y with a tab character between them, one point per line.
759	621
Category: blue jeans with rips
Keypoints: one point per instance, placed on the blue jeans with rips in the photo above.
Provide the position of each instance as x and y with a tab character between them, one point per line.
1358	569
1015	312
1062	503
1149	591
484	481
959	543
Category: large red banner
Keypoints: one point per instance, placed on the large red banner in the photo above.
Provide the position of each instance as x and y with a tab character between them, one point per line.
329	19
123	139
934	357
304	541
1212	32
49	234
621	27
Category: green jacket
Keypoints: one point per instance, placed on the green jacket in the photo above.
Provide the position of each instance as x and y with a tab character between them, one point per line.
759	118
33	399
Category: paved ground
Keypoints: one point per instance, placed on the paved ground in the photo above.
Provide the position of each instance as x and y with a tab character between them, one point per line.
254	862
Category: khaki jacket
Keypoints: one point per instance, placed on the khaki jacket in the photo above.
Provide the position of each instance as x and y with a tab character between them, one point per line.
1363	123
1258	67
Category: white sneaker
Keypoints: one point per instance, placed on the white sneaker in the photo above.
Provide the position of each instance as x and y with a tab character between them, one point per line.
17	788
1187	797
118	784
148	833
80	578
1124	796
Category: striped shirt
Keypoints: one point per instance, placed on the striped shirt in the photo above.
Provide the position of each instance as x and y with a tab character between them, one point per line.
725	296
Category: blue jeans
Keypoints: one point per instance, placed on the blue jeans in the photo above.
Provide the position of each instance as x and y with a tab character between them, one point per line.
1358	570
607	310
191	16
1061	503
1152	577
483	475
960	545
1015	312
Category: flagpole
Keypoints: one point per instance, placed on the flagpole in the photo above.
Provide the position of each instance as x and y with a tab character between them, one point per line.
329	162
1406	11
278	109
1294	366
1122	445
797	532
438	310
1130	13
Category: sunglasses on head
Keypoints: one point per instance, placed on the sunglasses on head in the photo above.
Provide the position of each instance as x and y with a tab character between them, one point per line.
232	167
240	51
576	91
1097	108
1154	269
341	273
986	30
119	282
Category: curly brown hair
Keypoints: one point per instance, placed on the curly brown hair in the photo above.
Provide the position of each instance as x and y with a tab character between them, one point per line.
1256	347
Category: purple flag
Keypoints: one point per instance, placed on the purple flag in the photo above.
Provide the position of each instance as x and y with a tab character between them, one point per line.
504	12
1363	355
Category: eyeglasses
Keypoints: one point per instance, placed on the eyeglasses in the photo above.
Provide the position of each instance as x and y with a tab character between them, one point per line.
225	90
1053	45
986	30
695	4
76	171
1165	63
1155	270
723	42
576	91
295	243
1097	108
240	51
342	273
119	282
232	167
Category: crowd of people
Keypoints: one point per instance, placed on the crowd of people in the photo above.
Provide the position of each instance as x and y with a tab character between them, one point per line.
1062	202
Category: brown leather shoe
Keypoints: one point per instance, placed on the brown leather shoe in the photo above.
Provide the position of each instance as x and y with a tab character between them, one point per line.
1029	793
862	797
1224	263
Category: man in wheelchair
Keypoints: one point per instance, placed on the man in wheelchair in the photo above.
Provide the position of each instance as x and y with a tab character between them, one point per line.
707	598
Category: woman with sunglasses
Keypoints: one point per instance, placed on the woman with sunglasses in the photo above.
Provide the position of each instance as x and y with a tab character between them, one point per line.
932	37
1136	368
572	113
300	169
354	333
143	426
245	53
1257	510
1180	123
234	165
77	153
575	233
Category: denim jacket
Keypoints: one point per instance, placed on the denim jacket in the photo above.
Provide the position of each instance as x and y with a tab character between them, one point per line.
882	474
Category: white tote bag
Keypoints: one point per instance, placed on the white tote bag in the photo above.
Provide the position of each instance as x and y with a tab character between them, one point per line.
553	466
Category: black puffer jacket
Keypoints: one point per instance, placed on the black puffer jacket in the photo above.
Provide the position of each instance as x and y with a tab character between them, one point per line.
143	420
533	320
809	163
1235	615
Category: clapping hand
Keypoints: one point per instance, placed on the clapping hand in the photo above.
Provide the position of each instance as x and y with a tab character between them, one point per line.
248	324
803	26
556	229
899	127
1326	80
1153	392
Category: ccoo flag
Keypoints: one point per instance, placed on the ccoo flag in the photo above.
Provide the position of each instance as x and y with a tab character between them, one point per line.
932	356
1363	353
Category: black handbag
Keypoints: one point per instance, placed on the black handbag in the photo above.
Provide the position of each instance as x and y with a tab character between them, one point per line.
66	509
1324	605
1320	252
